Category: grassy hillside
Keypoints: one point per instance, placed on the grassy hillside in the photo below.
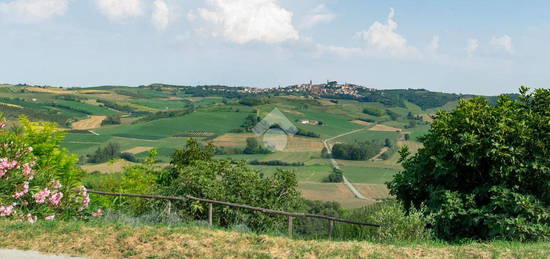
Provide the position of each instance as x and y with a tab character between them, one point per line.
163	116
108	240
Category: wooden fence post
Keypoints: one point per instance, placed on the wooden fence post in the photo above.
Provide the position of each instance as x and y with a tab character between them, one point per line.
330	228
290	226
210	214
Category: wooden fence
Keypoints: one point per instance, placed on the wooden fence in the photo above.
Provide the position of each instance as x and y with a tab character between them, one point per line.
290	215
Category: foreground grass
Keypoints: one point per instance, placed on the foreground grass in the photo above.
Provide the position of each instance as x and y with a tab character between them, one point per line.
101	240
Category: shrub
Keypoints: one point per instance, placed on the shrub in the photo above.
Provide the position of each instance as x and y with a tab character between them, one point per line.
307	133
253	147
38	180
396	225
104	154
234	182
337	176
276	163
140	178
356	151
313	227
250	122
484	171
128	157
112	120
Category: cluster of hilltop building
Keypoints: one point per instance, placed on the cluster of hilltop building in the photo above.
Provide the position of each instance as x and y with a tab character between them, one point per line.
329	88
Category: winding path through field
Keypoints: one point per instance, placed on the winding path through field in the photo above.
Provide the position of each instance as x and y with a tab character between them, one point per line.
335	164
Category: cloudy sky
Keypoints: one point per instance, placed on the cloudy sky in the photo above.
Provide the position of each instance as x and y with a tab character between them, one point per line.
468	46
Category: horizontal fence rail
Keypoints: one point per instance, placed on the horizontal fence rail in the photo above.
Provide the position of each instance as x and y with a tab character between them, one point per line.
290	215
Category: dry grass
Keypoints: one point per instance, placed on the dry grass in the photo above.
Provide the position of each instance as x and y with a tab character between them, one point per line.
360	122
374	191
93	122
122	241
294	144
292	112
12	105
232	139
49	90
380	127
137	150
303	144
108	167
338	192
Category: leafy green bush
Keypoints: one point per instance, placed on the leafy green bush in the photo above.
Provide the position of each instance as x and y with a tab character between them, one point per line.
484	170
140	178
396	225
38	180
114	119
235	182
104	154
307	133
356	151
275	163
336	176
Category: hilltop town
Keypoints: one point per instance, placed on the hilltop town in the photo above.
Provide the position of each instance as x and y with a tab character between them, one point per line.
328	88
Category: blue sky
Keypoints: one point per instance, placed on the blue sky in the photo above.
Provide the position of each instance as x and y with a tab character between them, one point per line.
481	47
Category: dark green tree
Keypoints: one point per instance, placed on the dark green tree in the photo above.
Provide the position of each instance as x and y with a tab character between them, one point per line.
484	170
192	151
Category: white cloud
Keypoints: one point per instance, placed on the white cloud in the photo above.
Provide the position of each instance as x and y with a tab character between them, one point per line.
117	10
161	14
434	44
243	21
471	46
504	42
318	15
32	10
385	39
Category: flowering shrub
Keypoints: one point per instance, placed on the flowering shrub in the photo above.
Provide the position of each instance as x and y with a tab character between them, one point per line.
38	180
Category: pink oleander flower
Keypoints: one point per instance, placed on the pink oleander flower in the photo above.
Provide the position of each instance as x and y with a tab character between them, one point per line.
55	198
41	196
51	217
2	125
31	219
85	196
98	213
6	165
86	202
6	211
27	171
25	190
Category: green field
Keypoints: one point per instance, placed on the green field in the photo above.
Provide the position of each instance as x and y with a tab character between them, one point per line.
218	115
86	108
312	173
368	135
160	104
212	122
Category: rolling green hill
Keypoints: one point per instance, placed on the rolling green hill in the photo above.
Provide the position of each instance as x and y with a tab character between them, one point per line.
163	116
